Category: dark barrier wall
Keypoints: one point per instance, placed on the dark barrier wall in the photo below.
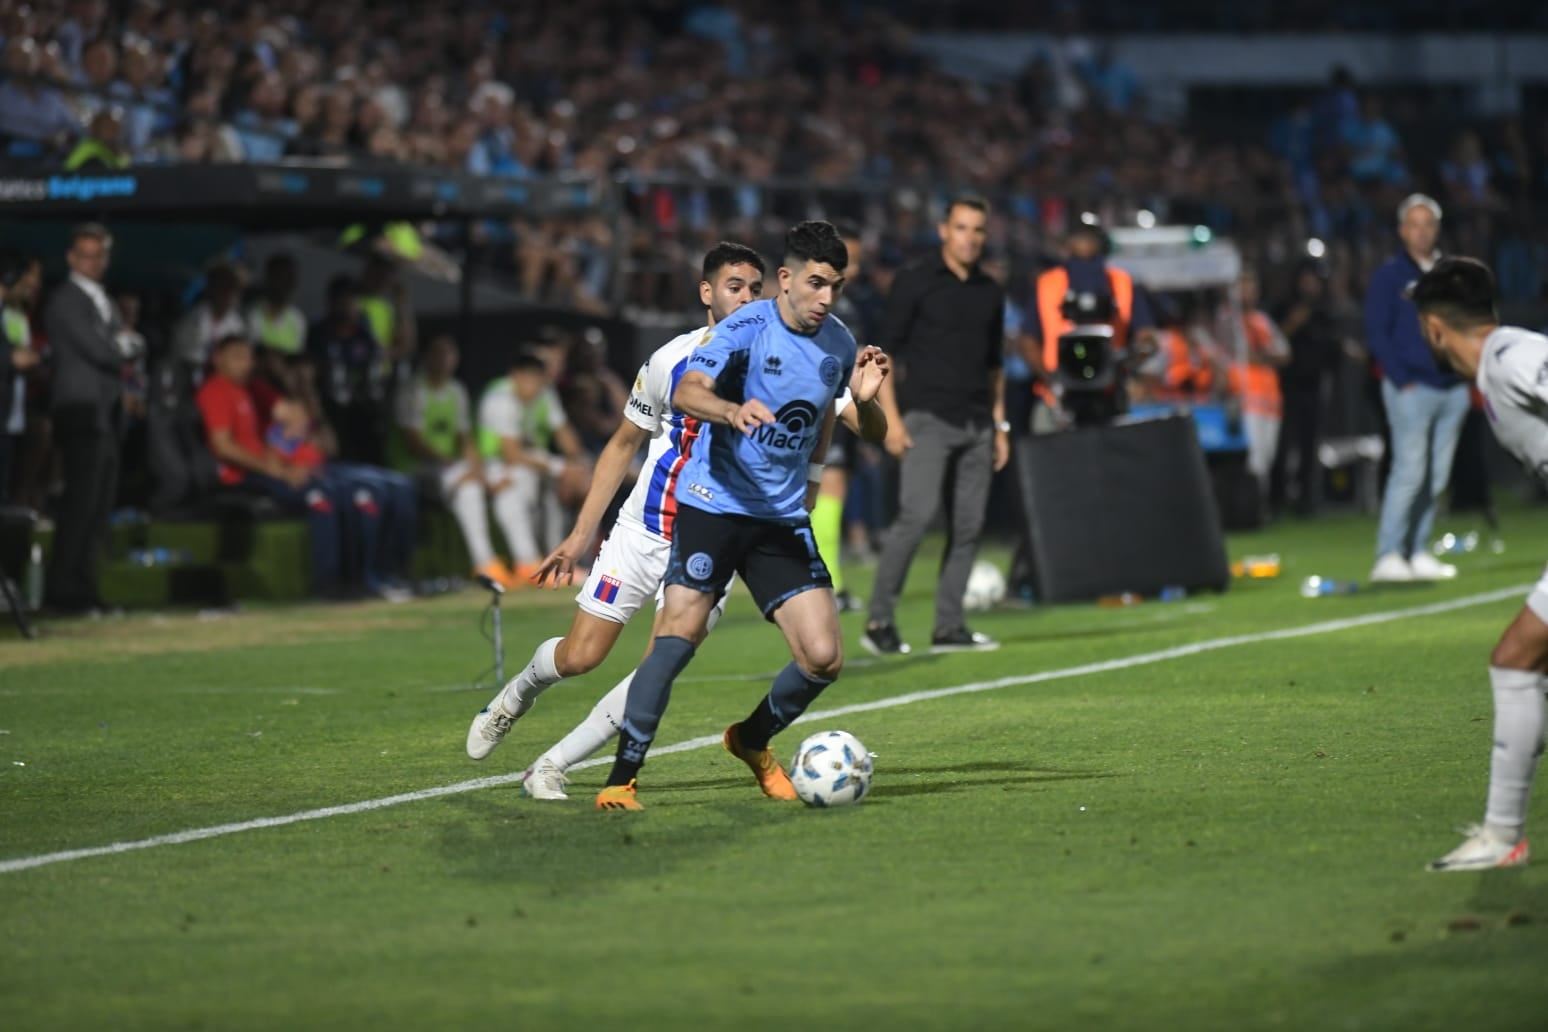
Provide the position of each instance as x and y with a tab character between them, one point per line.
1125	508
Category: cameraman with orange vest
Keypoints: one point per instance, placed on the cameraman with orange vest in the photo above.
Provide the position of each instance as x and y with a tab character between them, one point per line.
1084	272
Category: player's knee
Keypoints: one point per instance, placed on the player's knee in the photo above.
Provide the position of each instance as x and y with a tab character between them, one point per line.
579	656
823	660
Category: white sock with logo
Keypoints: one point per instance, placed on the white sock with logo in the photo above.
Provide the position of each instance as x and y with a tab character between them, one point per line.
535	678
600	727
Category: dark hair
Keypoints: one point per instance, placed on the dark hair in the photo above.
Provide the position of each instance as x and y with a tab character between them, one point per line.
1460	291
728	253
527	362
90	231
229	339
815	241
973	201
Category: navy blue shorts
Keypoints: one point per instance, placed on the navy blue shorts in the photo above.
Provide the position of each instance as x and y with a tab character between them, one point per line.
776	561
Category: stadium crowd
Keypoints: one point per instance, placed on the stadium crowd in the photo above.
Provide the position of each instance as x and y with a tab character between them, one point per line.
723	121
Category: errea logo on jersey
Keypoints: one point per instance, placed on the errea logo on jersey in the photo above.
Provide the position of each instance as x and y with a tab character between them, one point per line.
772	366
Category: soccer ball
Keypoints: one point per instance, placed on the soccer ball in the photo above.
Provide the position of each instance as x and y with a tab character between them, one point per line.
985	586
831	768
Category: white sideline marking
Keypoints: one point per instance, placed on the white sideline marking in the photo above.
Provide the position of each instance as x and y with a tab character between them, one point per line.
1105	666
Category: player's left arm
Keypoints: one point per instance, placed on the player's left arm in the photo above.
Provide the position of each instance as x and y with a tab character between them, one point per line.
867	416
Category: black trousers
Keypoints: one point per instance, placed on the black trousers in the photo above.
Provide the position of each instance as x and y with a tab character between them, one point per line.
89	447
1301	432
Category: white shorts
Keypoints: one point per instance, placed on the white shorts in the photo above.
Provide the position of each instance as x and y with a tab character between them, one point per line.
1537	601
628	571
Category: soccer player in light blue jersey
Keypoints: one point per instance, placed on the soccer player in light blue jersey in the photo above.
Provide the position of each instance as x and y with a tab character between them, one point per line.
764	388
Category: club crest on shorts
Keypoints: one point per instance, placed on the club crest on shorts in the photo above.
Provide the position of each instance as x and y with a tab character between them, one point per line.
700	566
829	370
607	589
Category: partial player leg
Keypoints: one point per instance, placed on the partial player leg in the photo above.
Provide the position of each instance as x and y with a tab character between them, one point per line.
684	622
1516	677
789	582
546	777
828	523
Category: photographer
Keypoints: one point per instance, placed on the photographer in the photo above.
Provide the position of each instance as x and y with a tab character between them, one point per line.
1083	289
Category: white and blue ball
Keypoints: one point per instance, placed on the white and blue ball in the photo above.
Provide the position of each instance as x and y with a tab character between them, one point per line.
985	587
831	768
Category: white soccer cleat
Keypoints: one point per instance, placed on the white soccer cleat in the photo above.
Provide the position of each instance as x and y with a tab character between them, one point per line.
545	780
490	727
1392	569
1482	851
1426	567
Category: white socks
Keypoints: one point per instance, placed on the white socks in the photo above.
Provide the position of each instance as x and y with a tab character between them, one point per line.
467	504
536	678
1518	742
591	734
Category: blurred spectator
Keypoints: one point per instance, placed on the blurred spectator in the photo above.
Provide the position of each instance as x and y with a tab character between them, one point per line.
352	380
1308	322
1375	152
30	110
1256	381
262	125
520	420
140	91
247	464
435	441
16	359
384	301
1425	404
102	148
88	415
213	317
273	321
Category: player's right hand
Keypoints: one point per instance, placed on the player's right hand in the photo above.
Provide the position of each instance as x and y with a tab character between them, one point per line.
751	415
898	440
560	564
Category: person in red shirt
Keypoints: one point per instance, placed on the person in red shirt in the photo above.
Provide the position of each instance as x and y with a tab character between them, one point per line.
246	463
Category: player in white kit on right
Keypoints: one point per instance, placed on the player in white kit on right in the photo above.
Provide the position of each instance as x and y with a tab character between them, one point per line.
1459	316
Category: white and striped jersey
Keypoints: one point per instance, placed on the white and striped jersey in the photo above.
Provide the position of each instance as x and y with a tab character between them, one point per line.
653	502
1513	378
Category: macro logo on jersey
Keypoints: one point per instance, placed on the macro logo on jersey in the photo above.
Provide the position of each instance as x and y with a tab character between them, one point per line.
607	589
790	426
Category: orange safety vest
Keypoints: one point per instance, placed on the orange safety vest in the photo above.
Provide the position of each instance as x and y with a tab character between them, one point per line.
1184	379
1258	385
1054	284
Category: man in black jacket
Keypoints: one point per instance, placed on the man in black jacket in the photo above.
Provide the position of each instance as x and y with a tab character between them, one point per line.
88	414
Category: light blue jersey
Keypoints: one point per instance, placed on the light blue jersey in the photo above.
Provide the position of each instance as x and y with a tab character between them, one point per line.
753	354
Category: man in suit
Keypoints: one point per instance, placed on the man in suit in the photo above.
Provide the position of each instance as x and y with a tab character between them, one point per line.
88	413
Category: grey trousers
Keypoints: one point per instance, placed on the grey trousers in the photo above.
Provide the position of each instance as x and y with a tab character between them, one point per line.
958	459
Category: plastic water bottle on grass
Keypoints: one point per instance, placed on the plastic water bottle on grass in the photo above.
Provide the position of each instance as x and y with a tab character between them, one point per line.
1319	587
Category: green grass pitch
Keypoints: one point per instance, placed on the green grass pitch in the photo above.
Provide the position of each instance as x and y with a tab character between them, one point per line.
1232	839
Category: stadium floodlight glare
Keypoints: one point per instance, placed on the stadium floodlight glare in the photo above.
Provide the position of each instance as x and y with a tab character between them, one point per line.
1145	219
1316	248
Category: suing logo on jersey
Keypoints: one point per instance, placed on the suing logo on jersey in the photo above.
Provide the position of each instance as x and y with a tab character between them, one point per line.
607	589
